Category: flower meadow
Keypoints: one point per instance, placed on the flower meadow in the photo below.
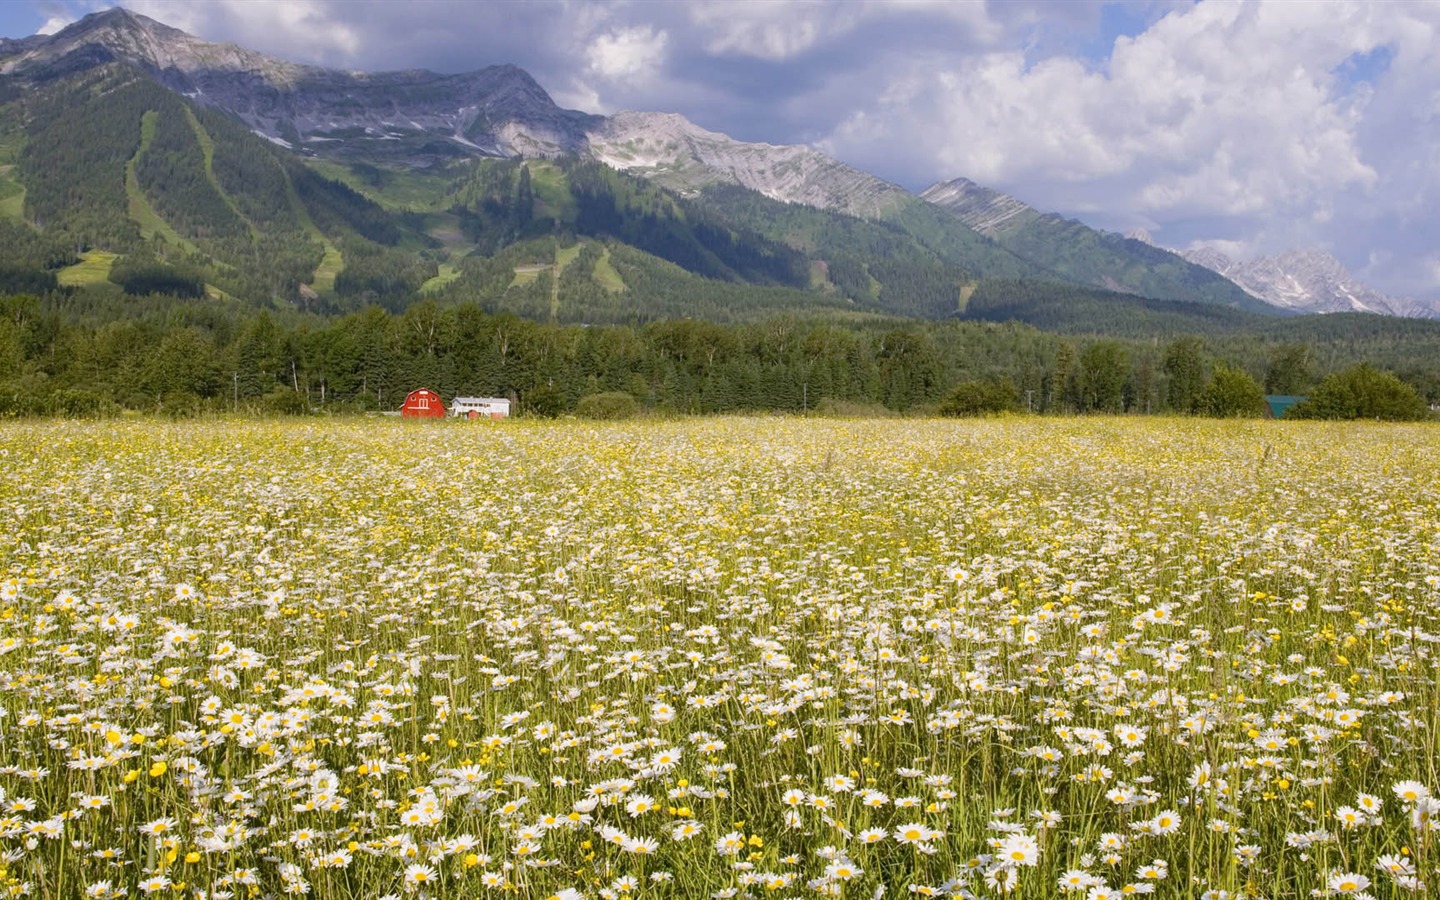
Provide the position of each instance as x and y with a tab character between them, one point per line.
765	657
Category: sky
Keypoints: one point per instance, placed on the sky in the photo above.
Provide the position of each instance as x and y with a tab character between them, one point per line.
1251	126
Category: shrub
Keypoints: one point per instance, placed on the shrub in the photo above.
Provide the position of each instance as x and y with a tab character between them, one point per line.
980	398
78	403
285	402
611	405
1362	392
181	405
852	409
1232	393
544	401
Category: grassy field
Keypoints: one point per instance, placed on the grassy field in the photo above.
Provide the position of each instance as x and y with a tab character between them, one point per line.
141	212
552	190
719	658
528	274
12	196
207	146
447	274
605	275
398	189
93	269
12	193
333	261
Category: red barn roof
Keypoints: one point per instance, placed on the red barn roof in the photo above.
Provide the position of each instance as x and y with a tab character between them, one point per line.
423	404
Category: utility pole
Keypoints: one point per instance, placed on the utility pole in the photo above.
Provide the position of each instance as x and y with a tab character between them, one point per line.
235	403
1028	394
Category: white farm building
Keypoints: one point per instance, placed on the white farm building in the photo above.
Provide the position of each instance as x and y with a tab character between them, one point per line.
480	407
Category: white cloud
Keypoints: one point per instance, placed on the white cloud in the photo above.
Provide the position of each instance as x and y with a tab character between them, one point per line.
769	29
627	54
782	30
1233	114
1219	110
620	61
54	24
312	30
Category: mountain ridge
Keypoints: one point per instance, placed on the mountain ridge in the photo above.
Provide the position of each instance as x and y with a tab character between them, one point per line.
1307	280
496	111
420	121
1084	254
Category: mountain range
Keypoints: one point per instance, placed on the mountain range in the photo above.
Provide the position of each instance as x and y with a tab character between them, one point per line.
132	150
1306	280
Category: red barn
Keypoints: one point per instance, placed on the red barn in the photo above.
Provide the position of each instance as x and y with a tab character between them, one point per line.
423	404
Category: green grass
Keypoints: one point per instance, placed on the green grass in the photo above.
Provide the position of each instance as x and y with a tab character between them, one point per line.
12	196
214	293
605	275
140	210
332	262
12	192
400	190
445	228
967	290
564	256
207	146
10	146
527	274
448	273
552	190
92	269
820	277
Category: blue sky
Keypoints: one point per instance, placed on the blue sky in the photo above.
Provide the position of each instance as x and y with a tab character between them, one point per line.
1249	125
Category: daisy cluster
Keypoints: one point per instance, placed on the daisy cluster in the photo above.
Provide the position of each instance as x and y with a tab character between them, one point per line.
722	658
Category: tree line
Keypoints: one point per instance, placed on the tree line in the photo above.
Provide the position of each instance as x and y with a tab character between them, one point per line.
82	354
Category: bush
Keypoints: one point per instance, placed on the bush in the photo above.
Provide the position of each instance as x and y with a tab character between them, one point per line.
78	403
181	405
853	409
610	406
1232	393
544	401
1362	392
981	398
285	403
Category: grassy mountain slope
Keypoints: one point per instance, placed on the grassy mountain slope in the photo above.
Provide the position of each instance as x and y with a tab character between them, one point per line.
1122	264
1083	254
114	161
1073	309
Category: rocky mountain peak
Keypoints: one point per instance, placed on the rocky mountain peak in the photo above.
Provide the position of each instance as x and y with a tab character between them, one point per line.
1306	280
124	35
987	211
1210	258
414	117
672	150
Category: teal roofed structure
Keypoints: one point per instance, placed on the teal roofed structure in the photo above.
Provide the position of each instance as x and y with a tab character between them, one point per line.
1279	404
